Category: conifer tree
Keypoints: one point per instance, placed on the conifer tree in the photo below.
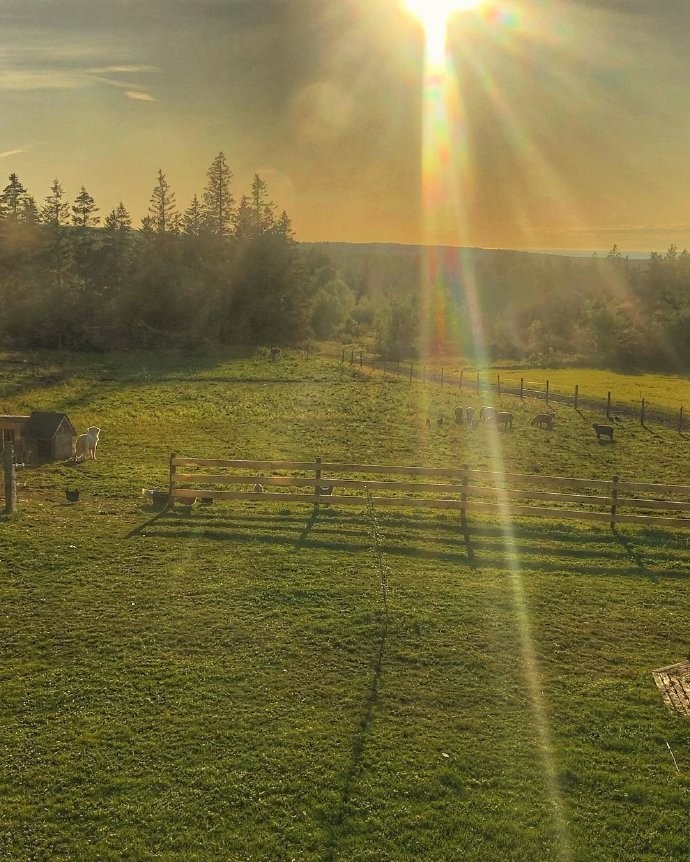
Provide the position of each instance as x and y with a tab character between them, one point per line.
55	211
12	199
163	214
84	210
262	206
193	219
218	201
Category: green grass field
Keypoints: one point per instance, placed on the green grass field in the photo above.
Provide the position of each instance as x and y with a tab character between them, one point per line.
224	682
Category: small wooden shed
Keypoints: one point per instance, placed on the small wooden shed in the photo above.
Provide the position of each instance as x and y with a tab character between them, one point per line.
48	437
11	430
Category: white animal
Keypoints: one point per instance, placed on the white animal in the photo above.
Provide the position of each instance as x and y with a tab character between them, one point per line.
80	448
92	435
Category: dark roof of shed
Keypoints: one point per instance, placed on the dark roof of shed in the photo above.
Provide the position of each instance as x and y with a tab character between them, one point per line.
45	425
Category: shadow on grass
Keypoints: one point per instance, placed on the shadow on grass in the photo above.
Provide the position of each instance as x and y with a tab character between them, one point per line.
358	743
541	547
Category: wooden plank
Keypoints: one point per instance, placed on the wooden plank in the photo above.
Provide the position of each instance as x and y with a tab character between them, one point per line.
670	505
256	465
427	503
377	469
679	490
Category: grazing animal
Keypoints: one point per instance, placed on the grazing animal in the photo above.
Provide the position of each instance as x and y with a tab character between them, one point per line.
459	415
258	488
603	431
486	413
275	354
324	491
80	448
92	435
439	421
428	422
543	420
503	417
72	495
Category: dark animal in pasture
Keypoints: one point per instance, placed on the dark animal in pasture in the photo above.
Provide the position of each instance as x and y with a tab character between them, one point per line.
543	420
275	354
486	413
258	488
469	412
459	415
504	418
603	431
72	495
324	491
439	421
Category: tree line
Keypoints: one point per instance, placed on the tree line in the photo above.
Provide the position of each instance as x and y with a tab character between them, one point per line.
221	271
227	271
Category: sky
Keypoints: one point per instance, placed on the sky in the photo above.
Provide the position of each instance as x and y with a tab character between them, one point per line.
556	124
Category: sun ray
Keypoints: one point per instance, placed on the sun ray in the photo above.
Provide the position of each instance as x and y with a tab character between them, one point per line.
449	284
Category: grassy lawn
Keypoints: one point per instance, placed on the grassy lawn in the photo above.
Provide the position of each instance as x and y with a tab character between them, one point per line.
224	682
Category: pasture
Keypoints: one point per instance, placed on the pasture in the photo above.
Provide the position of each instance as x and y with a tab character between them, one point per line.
227	682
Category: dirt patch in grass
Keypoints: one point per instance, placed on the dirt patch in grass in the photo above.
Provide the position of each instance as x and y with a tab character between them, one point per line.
674	684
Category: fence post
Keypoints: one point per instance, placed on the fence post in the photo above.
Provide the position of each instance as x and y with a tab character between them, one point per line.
171	487
317	489
463	500
498	385
383	365
352	357
642	413
522	389
577	392
547	391
342	358
424	375
410	372
680	421
477	383
10	480
360	359
462	372
614	500
608	406
441	377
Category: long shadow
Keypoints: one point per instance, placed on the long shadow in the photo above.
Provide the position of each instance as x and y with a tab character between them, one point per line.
635	555
137	531
476	550
358	743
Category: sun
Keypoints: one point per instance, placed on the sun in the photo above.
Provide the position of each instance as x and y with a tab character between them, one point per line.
433	15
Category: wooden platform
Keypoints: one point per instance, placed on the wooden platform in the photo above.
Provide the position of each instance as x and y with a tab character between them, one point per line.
674	684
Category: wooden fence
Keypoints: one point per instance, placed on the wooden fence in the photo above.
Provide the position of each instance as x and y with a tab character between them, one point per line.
477	383
502	494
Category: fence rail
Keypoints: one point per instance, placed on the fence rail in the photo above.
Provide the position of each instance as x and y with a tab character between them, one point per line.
470	380
462	490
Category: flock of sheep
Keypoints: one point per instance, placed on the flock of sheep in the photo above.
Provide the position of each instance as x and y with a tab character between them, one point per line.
504	419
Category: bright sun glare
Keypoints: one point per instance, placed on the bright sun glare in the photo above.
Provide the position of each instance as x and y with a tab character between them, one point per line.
434	14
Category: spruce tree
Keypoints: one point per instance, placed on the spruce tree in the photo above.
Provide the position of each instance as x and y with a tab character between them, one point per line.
12	199
163	214
84	210
218	201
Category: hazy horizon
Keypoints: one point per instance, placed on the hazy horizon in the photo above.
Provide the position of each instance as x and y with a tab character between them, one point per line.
564	128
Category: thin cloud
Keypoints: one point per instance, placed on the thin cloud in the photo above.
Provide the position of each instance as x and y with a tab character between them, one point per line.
139	96
11	153
121	70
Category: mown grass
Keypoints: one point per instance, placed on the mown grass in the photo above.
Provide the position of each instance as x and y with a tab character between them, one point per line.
222	682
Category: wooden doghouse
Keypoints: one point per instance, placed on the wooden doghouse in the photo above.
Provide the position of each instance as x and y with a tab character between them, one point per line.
48	437
11	431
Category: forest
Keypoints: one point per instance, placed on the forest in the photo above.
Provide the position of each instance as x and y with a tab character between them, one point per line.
231	272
